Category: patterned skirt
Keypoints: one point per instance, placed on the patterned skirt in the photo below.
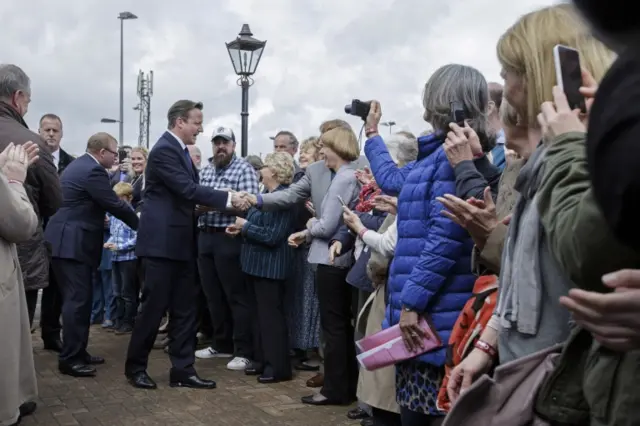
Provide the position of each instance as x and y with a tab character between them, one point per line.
303	312
417	386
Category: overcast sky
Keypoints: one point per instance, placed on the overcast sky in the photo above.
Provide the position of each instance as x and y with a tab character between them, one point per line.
320	54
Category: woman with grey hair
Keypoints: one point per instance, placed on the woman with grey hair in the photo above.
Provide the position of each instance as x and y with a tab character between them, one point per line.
266	262
430	275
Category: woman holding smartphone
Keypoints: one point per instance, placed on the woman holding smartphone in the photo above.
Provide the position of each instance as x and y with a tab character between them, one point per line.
340	148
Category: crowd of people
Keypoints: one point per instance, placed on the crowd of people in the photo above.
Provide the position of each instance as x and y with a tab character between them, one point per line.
512	231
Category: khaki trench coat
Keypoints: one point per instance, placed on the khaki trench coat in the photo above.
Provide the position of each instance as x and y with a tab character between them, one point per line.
377	388
18	222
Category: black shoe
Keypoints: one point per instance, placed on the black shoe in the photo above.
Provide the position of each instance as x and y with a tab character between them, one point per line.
318	399
27	408
93	360
54	345
357	414
192	381
77	369
303	366
369	421
124	329
267	380
141	380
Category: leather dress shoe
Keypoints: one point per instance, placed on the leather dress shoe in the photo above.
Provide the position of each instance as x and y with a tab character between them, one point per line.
316	381
357	414
369	421
267	380
93	360
141	380
318	400
77	369
303	366
192	381
54	345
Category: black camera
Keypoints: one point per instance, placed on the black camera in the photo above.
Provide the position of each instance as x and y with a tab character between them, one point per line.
358	108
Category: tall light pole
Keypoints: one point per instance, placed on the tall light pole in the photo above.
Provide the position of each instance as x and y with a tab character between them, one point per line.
122	16
388	124
245	53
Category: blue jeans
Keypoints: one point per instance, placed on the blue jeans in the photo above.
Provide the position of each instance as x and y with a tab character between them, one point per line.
125	291
103	302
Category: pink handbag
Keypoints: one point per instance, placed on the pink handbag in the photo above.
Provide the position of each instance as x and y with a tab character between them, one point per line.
508	398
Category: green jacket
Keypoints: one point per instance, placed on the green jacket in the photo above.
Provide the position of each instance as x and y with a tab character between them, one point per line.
590	385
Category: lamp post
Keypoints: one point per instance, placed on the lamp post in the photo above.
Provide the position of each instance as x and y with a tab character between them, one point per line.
245	53
122	16
388	124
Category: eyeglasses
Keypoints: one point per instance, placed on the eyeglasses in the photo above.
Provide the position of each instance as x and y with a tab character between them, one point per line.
113	152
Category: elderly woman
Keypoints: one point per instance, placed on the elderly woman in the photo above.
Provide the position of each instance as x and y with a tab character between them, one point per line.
377	388
266	261
431	272
310	151
528	317
340	148
18	386
304	315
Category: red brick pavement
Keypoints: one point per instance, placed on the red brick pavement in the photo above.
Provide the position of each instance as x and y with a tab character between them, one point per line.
107	399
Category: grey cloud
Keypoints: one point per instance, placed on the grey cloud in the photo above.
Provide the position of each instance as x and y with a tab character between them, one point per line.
319	56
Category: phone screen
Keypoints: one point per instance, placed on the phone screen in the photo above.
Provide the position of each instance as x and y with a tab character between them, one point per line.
122	155
569	75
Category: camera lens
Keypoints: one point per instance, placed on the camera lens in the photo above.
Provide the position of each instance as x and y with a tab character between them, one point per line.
347	109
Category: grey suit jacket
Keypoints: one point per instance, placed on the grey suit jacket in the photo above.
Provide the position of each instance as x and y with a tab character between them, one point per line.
314	184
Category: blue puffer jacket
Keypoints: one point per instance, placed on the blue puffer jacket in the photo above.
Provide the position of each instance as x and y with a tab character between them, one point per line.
431	269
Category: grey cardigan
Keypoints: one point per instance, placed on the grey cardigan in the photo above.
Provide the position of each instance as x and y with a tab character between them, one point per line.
329	217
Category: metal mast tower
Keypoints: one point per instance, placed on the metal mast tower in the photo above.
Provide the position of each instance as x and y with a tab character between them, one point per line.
145	91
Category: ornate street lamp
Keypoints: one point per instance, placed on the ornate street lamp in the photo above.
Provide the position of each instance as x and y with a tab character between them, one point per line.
245	53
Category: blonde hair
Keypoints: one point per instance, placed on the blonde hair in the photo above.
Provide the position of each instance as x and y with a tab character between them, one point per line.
142	150
526	49
333	124
282	166
312	143
343	142
123	189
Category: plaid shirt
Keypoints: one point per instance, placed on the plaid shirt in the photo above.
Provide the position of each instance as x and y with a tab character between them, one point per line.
124	238
239	175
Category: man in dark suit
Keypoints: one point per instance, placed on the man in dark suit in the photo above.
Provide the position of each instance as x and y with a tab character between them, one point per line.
51	130
167	245
75	233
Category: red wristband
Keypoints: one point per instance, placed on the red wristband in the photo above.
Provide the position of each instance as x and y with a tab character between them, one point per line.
15	181
362	232
486	348
370	131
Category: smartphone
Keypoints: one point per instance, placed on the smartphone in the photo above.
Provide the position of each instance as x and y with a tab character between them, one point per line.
569	75
122	155
457	113
342	201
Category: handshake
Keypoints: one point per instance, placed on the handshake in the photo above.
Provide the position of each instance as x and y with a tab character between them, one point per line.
243	200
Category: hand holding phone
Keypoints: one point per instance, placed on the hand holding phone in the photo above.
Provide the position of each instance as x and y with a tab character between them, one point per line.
569	75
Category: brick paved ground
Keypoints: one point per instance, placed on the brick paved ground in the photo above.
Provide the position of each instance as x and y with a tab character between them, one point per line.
107	399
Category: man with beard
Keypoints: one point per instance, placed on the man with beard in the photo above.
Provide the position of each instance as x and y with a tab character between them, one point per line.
219	256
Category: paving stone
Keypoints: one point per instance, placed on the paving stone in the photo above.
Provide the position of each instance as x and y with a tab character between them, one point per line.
108	400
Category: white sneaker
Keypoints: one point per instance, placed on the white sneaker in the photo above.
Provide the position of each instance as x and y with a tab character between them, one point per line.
238	364
209	353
